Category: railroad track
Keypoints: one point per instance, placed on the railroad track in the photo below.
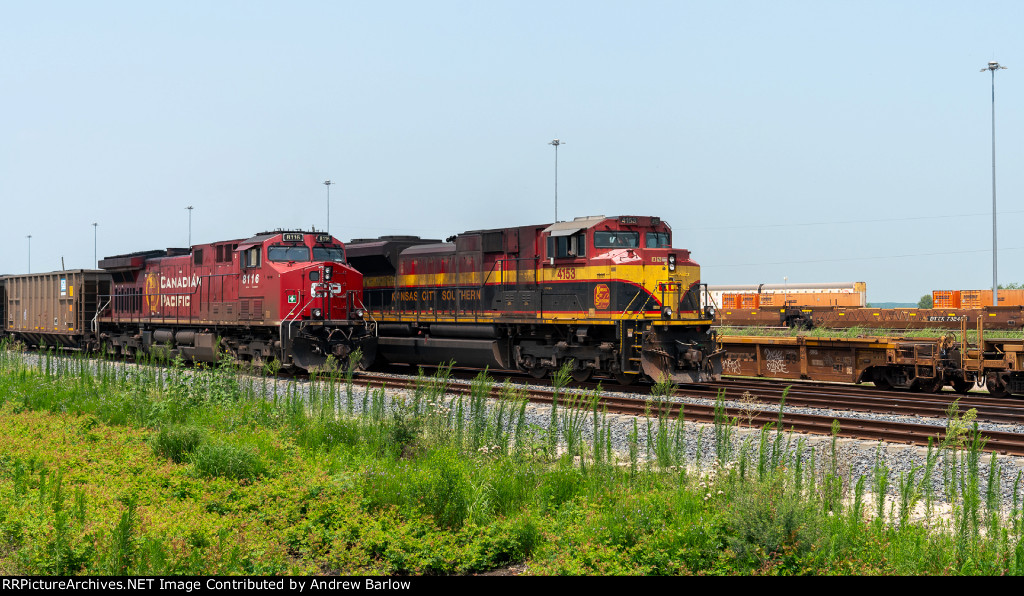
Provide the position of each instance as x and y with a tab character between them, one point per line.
836	399
840	401
810	394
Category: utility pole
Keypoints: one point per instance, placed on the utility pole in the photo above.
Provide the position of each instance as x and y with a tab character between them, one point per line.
994	66
556	143
328	184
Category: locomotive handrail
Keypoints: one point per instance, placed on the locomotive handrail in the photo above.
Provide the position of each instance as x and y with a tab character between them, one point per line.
286	323
198	287
639	311
366	313
96	317
503	270
302	308
488	276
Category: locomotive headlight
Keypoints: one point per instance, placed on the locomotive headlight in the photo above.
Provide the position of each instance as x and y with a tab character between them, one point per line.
358	313
671	262
666	312
328	273
317	313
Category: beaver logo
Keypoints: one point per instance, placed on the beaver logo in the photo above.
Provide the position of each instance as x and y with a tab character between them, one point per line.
151	293
602	296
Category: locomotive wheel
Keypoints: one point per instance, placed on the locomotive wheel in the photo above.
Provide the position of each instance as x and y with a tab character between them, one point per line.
539	372
625	380
364	363
581	375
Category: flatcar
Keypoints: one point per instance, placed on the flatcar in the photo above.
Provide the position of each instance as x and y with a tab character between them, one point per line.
608	294
916	364
839	317
284	295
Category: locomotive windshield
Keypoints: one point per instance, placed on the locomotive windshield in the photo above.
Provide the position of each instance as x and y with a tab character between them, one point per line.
329	253
658	240
288	253
616	239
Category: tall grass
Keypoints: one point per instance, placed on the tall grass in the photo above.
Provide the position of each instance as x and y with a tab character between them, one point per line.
473	466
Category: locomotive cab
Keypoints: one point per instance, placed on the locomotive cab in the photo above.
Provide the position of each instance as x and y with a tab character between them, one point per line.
316	283
320	297
643	247
650	291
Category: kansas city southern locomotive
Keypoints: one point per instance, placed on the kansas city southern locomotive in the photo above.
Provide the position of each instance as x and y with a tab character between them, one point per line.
285	295
608	294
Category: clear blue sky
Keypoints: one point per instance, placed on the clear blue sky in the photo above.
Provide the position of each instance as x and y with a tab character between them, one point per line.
818	141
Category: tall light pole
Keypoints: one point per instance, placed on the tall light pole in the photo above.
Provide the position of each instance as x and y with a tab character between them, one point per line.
189	225
29	253
328	184
994	66
556	143
95	263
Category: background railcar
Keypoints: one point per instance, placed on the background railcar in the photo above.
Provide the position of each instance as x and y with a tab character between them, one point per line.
56	308
749	296
976	299
608	293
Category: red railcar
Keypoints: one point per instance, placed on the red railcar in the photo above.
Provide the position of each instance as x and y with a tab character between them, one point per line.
284	295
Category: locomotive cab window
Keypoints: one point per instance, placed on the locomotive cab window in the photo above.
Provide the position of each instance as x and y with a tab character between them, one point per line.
616	239
279	253
251	257
657	240
564	247
329	253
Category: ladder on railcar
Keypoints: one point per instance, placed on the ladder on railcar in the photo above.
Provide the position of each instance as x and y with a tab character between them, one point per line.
971	358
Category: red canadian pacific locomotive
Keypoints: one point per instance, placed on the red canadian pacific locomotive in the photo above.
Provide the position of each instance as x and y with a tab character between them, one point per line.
283	295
